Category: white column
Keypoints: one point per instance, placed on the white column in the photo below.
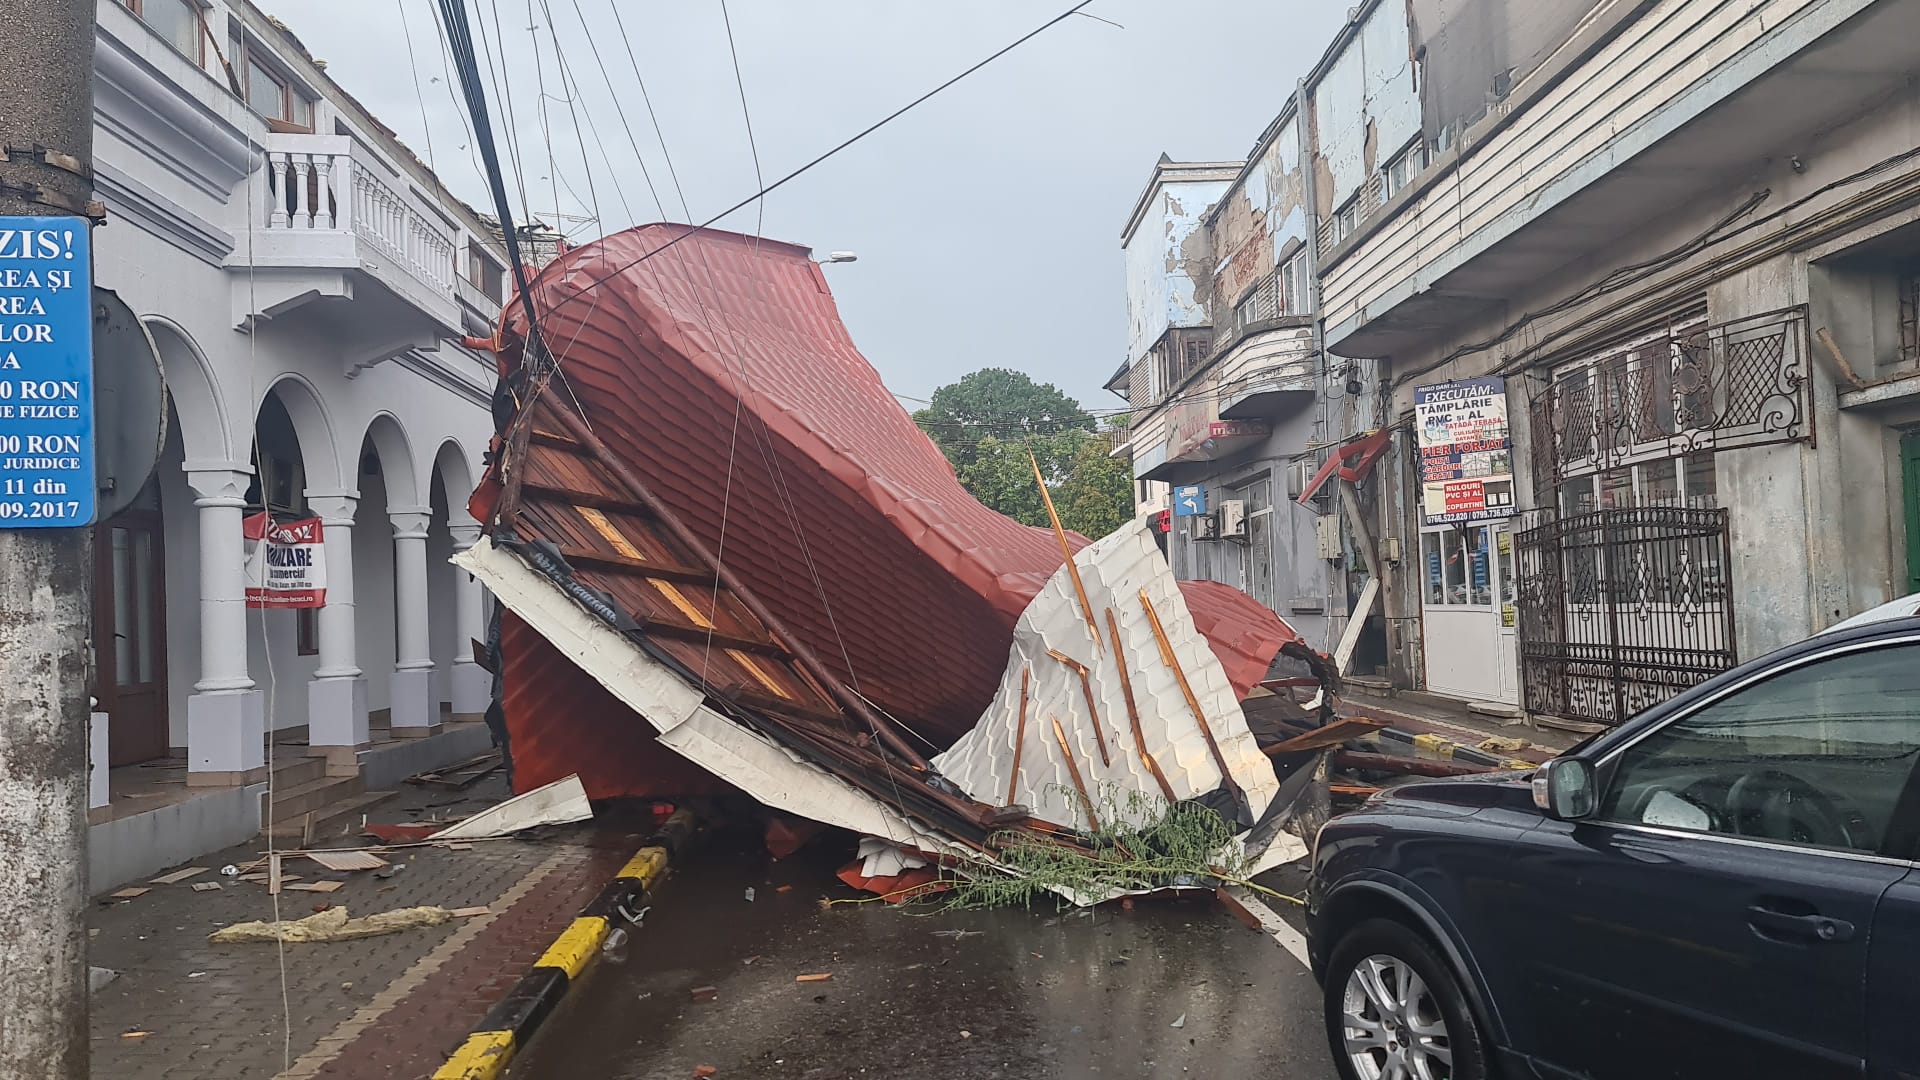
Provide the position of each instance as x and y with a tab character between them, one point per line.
471	684
226	716
415	712
337	696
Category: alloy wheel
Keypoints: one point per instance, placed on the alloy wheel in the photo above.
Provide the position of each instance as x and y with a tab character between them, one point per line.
1391	1024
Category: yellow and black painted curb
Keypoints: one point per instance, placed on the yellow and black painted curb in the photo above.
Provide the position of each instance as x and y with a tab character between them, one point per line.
488	1051
1439	747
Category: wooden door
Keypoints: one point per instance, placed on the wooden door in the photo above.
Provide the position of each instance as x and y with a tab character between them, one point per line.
130	644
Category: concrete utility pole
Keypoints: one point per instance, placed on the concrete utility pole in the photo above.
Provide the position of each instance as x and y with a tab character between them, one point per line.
46	578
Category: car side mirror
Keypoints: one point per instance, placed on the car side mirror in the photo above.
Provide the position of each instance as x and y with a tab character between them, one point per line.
1564	788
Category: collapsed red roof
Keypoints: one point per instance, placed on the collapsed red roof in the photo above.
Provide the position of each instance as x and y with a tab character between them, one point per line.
718	369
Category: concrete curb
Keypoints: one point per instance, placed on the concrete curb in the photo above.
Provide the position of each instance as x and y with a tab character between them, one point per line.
488	1051
1444	749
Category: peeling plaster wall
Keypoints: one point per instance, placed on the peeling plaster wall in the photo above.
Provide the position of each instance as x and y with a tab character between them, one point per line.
1260	221
1366	106
1169	263
1473	52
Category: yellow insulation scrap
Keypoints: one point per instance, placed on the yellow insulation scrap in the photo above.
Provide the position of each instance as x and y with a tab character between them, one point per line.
331	925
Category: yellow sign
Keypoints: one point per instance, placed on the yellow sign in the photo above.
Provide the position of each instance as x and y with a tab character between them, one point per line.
1507	615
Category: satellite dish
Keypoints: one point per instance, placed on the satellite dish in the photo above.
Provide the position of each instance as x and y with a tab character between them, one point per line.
129	403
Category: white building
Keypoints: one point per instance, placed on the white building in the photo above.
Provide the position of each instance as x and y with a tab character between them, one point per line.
308	283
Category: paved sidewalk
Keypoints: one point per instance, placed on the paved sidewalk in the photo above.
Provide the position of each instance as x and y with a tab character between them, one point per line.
1466	729
388	1007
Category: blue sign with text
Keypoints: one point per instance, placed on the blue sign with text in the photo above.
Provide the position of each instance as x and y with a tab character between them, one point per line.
1189	500
46	373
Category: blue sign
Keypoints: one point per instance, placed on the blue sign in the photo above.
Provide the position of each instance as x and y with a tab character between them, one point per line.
46	373
1189	501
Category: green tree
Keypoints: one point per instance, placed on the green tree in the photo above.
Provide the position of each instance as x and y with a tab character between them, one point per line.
997	403
986	423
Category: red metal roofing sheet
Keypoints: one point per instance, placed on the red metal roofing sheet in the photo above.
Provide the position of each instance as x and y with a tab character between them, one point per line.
720	370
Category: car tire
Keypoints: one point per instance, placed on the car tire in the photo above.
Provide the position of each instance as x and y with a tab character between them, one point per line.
1437	1028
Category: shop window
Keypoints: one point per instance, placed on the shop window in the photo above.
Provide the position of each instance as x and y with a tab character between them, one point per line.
177	21
1458	565
1684	481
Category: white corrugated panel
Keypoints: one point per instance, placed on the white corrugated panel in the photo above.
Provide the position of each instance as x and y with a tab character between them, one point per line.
1114	570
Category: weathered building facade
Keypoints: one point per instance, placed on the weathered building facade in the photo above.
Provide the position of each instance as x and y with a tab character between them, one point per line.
307	283
1683	239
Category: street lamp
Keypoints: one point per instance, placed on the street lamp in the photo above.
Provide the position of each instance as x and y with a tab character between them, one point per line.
839	257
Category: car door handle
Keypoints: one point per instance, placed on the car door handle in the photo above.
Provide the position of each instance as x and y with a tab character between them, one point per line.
1817	927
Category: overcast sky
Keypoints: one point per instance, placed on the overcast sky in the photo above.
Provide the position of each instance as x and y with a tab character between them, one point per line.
987	221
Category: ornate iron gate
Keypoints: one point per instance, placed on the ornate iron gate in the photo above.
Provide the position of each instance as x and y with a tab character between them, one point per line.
1621	609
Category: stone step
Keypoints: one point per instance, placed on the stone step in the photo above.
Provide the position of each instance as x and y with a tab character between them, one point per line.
289	802
330	820
292	769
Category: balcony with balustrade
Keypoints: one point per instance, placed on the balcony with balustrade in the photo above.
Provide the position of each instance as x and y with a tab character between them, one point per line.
330	219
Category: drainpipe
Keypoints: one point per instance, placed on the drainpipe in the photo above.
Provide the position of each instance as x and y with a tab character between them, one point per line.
1309	189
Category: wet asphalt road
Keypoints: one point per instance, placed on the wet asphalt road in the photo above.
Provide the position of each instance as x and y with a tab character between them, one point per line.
1016	994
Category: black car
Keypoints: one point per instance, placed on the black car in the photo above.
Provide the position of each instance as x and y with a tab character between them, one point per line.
1726	886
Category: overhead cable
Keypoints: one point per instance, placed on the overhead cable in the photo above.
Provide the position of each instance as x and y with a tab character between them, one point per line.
863	133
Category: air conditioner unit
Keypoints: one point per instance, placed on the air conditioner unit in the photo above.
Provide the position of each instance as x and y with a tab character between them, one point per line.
1300	474
1233	519
1204	527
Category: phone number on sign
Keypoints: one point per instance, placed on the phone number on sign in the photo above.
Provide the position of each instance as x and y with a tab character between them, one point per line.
57	511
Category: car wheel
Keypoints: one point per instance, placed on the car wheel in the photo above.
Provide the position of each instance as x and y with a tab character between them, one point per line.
1395	1011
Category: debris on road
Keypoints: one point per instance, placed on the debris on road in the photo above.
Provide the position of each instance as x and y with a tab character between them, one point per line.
333	924
128	894
1020	691
558	803
206	886
701	1072
316	886
704	993
344	861
462	775
178	876
823	977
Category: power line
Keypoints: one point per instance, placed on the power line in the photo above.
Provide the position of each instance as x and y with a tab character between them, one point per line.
426	126
870	129
619	109
460	43
633	58
759	181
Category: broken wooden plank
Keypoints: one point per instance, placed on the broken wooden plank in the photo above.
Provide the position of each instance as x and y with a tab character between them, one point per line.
128	894
1066	551
1019	735
822	977
206	886
1073	770
1133	711
1410	766
316	886
1093	708
178	876
1341	730
343	861
1193	701
470	912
